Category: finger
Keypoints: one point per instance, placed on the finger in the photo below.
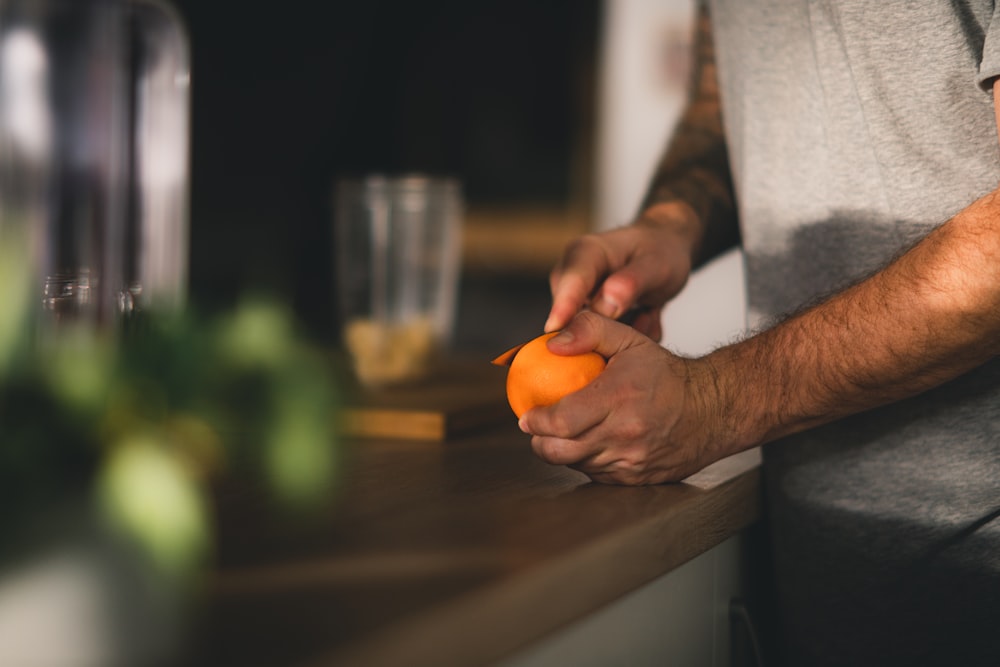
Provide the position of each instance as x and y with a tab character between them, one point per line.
611	466
559	451
647	322
617	294
592	465
645	279
588	331
569	418
573	281
569	295
603	478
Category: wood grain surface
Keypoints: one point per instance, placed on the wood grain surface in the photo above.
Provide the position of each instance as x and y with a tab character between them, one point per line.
454	555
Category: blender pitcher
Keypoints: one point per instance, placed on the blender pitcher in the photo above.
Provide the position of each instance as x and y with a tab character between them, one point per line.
94	113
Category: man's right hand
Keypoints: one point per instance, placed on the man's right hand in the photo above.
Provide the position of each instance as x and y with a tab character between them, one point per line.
640	266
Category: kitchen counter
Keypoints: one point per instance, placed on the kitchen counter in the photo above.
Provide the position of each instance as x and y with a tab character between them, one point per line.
456	552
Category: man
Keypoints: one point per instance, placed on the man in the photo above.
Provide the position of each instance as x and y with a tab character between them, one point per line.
852	148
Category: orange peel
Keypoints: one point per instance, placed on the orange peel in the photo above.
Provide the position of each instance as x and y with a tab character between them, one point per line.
537	377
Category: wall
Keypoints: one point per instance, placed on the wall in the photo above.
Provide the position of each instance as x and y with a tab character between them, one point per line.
288	96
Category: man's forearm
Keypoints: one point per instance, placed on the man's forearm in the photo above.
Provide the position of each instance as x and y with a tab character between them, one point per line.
695	168
928	317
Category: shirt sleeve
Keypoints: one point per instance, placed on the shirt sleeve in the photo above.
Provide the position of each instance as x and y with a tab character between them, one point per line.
989	66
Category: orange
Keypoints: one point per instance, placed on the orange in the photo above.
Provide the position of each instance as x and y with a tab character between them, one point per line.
537	377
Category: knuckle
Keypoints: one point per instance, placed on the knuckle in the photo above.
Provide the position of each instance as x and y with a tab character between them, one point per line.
559	425
542	449
632	430
626	283
556	451
587	323
634	469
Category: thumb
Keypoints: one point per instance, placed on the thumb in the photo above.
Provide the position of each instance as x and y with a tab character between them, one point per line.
590	332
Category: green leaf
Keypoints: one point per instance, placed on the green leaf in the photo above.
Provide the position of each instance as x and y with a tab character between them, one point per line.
301	446
15	290
149	495
258	333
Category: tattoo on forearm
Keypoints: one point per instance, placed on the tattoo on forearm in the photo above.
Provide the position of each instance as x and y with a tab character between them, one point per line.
695	167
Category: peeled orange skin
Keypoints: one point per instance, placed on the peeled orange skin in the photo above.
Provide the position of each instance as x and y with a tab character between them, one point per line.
538	377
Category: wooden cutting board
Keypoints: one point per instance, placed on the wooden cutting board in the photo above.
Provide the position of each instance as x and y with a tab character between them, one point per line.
459	395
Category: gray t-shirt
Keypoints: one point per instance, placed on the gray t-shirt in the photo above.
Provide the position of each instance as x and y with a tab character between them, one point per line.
854	128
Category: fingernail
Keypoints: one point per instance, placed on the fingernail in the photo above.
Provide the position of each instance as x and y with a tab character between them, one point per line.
607	307
563	337
551	324
523	425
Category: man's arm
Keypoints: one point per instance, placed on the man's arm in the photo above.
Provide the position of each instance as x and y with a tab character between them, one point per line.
928	317
687	217
654	417
694	170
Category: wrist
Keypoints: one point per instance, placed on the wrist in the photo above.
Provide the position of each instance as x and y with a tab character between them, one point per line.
677	216
719	414
701	423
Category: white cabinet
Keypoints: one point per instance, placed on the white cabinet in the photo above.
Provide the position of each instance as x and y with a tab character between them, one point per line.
681	618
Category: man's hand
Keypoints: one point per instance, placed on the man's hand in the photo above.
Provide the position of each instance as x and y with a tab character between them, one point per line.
639	266
929	316
638	423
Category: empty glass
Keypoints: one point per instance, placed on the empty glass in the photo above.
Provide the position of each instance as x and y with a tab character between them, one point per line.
398	247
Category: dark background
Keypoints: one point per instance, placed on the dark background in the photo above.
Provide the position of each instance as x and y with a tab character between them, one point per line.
286	96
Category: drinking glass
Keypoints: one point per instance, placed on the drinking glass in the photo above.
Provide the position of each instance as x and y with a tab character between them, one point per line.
397	252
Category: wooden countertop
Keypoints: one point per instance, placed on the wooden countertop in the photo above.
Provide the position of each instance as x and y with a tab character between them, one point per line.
454	552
